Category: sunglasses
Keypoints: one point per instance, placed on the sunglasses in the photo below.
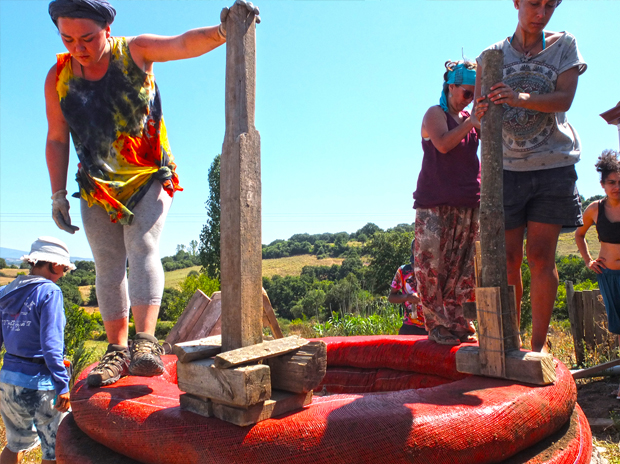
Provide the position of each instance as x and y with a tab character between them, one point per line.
467	94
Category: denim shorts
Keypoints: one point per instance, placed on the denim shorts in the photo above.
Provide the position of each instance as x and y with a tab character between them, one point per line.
548	196
29	417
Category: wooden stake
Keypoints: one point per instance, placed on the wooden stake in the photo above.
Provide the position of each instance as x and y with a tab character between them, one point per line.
240	198
493	253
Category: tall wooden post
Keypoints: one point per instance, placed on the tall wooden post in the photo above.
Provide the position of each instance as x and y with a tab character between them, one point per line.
498	354
493	253
240	194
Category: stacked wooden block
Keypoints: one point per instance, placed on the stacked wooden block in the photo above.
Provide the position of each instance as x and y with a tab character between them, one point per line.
249	384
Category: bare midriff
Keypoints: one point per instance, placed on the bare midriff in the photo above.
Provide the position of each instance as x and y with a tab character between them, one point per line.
610	254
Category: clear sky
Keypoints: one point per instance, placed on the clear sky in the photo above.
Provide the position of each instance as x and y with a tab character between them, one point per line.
342	86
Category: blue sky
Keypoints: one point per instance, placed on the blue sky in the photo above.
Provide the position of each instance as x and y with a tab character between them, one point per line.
342	86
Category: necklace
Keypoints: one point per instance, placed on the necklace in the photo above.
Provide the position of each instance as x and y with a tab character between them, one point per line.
527	55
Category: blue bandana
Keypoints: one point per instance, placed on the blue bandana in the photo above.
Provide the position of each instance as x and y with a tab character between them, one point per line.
459	75
97	10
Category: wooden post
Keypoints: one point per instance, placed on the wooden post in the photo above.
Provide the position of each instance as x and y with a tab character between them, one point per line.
498	354
493	252
575	315
241	254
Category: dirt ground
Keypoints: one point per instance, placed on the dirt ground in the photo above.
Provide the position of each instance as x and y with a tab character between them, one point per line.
597	401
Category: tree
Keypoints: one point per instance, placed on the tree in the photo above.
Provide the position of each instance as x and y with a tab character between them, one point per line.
193	248
2	263
585	203
388	251
209	249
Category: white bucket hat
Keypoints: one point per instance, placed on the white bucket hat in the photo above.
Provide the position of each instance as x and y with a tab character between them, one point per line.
51	250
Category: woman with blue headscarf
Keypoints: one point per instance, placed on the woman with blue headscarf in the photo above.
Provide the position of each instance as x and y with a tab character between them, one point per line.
103	94
447	199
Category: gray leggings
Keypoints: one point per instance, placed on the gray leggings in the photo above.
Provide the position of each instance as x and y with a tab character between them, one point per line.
113	244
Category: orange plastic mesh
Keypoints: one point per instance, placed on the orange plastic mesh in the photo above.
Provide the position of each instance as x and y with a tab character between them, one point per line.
471	420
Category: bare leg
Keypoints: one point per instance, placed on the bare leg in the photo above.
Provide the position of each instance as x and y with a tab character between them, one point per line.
117	331
9	457
542	240
145	318
514	258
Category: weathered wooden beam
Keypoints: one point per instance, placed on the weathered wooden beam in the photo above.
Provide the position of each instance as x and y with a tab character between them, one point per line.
492	352
269	317
211	316
189	318
198	349
240	194
583	373
575	316
258	352
196	404
300	371
588	317
280	403
522	366
493	271
241	386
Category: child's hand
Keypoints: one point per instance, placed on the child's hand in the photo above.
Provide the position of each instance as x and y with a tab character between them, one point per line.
63	403
413	298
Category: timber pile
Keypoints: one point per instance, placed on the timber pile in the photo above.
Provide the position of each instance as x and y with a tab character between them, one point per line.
249	384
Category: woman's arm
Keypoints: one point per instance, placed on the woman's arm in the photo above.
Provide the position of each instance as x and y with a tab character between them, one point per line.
580	238
148	49
435	127
57	154
57	142
558	101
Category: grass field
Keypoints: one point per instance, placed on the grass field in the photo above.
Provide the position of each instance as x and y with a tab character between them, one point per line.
567	246
293	264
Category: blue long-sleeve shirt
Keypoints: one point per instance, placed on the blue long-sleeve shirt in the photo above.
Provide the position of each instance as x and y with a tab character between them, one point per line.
33	323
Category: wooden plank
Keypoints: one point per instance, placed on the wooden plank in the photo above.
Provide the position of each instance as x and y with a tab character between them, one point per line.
258	352
300	371
478	264
583	373
493	242
600	318
522	366
196	404
576	322
188	319
240	195
490	339
588	318
241	386
198	349
269	317
279	404
211	314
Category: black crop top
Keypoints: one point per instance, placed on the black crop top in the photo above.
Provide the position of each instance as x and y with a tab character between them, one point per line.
608	232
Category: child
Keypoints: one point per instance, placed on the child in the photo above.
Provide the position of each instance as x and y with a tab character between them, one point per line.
34	383
404	291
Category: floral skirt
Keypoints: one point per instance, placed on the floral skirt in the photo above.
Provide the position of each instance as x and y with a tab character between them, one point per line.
445	245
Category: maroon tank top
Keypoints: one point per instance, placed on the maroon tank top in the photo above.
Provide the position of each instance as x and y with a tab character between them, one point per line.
450	179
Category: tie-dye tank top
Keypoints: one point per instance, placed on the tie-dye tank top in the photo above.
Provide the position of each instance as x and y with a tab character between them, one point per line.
118	131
